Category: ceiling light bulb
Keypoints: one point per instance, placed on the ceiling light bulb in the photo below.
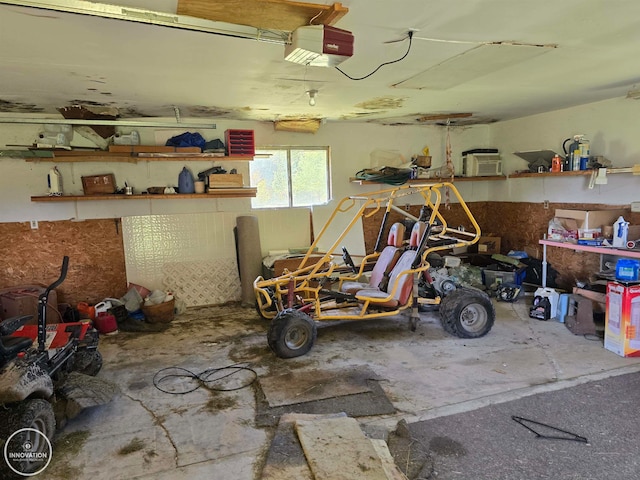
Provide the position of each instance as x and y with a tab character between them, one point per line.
312	97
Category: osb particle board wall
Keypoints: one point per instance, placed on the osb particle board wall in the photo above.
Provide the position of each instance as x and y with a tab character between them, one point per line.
520	225
94	247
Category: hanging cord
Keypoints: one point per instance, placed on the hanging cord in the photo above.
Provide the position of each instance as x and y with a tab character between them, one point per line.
450	167
409	36
205	379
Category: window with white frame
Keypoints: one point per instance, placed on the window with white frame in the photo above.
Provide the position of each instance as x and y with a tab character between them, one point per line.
291	177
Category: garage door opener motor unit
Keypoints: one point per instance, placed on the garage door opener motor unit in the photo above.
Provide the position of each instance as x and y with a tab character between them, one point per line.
319	46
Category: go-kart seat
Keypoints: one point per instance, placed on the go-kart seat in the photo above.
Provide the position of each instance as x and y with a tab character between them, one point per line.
405	282
385	262
11	346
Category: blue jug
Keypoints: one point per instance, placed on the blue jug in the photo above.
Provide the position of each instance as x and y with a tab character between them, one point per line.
185	181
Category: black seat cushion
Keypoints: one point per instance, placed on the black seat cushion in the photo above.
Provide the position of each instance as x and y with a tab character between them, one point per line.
11	346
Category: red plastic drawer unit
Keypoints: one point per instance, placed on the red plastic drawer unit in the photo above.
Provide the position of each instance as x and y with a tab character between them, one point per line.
240	142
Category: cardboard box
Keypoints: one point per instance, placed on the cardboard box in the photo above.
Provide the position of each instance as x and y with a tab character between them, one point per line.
23	300
292	264
489	245
590	222
622	319
225	180
99	184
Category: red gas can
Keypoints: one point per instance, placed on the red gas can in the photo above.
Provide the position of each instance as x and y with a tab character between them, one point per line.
106	323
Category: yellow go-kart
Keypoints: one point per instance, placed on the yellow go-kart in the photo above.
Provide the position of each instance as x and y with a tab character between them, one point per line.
396	277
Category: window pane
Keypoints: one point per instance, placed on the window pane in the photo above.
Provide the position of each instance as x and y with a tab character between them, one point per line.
309	177
270	176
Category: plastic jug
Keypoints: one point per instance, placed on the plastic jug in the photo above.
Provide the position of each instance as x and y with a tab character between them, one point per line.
554	298
102	307
185	181
54	180
620	231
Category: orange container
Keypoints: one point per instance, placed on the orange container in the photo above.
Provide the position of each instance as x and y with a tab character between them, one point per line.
86	310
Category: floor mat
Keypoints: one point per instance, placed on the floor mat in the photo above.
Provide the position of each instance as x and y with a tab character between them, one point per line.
488	444
371	399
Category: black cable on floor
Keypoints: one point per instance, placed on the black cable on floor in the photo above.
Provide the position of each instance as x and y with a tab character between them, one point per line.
203	379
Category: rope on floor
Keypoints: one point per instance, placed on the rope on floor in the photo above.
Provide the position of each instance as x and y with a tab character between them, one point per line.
185	381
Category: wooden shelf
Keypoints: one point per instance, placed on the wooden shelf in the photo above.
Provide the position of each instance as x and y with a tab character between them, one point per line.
79	156
635	170
433	180
577	173
244	192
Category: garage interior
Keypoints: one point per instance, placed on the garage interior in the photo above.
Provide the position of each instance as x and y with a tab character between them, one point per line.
438	80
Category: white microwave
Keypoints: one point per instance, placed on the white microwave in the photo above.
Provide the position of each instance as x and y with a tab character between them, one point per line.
481	165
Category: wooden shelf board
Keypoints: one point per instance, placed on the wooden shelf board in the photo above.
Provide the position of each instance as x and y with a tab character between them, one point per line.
635	170
577	173
99	156
434	180
244	192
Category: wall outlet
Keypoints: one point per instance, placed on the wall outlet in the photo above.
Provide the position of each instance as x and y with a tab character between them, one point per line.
635	206
34	224
545	205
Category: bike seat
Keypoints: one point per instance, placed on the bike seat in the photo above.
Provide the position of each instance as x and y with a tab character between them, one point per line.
11	346
10	325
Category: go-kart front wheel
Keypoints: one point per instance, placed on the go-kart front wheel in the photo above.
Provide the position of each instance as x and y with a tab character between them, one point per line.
291	334
467	313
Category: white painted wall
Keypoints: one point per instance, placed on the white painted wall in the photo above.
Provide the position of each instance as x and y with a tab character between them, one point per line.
352	147
612	128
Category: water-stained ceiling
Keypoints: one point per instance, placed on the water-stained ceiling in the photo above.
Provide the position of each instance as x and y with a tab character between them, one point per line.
475	61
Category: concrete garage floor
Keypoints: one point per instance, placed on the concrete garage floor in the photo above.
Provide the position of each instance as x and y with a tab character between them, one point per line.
149	434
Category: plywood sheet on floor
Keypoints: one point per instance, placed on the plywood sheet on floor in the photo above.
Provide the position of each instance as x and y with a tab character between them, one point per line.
307	386
372	402
337	448
285	459
388	464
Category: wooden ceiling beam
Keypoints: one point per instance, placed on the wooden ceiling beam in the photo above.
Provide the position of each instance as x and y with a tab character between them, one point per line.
281	15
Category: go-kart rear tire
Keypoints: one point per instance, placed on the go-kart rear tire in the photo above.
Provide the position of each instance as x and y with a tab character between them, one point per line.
34	414
467	313
291	334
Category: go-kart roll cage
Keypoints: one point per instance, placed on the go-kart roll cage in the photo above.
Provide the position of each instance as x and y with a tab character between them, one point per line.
304	288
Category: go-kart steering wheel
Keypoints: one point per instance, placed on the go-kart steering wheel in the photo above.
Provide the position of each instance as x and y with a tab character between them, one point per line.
348	261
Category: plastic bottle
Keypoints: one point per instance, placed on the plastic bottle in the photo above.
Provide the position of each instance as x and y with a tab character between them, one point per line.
620	231
576	159
54	180
185	181
556	164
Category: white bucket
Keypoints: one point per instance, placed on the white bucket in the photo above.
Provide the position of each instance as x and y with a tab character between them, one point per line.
553	296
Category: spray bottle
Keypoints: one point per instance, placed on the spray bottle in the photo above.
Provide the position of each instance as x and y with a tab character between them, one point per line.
54	180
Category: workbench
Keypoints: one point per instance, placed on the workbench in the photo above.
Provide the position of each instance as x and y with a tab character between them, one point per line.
582	248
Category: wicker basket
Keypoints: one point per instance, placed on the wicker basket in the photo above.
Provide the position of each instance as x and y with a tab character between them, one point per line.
160	313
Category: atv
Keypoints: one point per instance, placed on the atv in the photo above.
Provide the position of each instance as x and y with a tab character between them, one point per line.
46	377
398	277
